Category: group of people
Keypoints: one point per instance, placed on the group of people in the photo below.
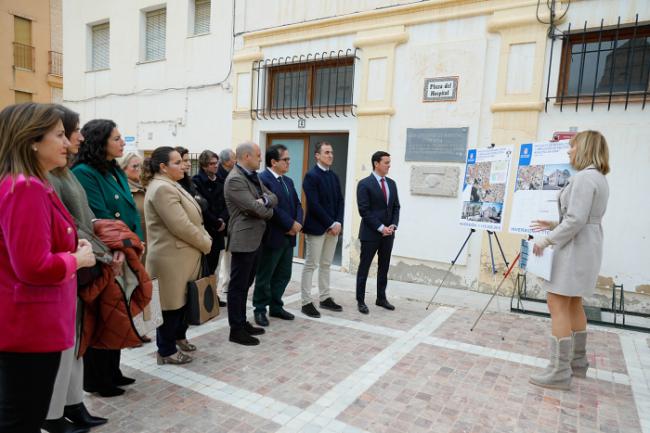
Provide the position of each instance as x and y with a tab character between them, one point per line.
60	183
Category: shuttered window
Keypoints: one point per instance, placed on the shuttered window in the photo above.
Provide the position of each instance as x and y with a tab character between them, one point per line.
155	31
23	50
201	16
22	97
101	47
22	31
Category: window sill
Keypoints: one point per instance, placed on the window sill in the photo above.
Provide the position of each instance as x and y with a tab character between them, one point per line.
146	62
18	68
198	35
90	71
586	100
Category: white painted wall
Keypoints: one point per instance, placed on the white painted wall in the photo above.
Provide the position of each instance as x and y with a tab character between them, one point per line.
429	230
182	100
627	223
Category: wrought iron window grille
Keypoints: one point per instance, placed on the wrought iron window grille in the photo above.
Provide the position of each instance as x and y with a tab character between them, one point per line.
304	86
603	65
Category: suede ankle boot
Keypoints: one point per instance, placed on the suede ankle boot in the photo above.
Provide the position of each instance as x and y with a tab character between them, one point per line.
558	373
579	363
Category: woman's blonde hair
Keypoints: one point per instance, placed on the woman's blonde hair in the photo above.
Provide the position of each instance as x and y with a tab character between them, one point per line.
124	161
591	149
21	126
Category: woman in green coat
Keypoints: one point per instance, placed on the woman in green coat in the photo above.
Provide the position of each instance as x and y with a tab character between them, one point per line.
109	197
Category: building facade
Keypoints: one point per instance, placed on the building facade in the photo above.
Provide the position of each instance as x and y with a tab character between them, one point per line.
519	78
160	70
364	75
31	58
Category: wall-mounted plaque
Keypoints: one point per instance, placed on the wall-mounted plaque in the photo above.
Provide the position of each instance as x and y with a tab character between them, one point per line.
440	89
436	144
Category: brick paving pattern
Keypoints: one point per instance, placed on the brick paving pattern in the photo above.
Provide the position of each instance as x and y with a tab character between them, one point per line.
406	371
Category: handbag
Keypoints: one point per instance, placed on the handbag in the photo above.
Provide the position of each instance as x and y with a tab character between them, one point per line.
202	304
151	317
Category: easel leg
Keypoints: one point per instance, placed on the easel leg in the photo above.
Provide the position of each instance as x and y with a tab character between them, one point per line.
453	262
494	268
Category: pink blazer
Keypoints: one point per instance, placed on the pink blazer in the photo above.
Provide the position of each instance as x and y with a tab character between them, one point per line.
38	284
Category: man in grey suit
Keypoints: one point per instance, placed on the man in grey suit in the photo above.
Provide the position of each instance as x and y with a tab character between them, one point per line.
250	205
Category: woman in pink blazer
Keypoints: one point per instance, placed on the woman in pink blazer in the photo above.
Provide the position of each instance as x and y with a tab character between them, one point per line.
39	257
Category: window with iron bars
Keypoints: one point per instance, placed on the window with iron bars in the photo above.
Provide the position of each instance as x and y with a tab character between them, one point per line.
605	65
305	88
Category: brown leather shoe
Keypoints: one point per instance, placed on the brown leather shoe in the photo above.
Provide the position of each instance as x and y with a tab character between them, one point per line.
185	345
176	359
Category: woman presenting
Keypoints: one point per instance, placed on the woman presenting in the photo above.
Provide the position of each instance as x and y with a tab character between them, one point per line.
577	240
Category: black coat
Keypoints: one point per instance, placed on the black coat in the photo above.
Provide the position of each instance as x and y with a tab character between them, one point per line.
215	212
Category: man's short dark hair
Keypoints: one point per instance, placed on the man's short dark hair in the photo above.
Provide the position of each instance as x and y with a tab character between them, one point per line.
377	156
321	144
205	157
273	153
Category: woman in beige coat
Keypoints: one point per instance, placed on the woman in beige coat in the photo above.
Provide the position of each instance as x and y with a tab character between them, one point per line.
577	241
176	240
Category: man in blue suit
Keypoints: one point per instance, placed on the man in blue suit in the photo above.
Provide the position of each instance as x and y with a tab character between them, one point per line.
379	209
323	225
274	272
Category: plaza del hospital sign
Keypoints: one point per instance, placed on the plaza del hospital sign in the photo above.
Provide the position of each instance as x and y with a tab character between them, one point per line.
440	89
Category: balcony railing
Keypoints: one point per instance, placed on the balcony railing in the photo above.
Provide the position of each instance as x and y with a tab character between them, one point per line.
23	56
56	64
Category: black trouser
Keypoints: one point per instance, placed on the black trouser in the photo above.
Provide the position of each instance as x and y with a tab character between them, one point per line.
174	328
213	258
101	369
242	274
26	384
383	247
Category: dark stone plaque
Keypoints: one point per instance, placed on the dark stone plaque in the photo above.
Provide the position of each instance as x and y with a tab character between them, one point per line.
436	144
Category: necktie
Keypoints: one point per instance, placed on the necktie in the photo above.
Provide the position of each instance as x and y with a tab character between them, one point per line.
286	190
383	189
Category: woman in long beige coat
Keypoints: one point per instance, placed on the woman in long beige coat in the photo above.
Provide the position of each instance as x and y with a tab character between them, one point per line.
577	241
176	240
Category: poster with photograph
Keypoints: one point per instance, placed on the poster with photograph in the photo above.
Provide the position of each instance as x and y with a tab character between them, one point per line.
543	170
484	188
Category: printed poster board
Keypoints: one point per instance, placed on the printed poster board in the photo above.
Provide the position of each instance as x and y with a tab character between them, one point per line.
485	188
543	170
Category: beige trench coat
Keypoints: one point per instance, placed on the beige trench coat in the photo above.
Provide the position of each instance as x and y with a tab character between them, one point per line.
578	238
176	238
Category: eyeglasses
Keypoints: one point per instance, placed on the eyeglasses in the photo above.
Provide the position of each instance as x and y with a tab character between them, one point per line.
136	166
287	159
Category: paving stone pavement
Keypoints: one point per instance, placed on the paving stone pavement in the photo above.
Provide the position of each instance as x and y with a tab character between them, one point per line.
409	370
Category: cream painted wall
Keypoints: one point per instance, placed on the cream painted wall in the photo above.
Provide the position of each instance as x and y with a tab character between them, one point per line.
153	99
262	14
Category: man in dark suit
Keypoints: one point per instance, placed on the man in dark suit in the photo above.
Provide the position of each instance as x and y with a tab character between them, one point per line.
250	205
323	225
274	271
379	209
